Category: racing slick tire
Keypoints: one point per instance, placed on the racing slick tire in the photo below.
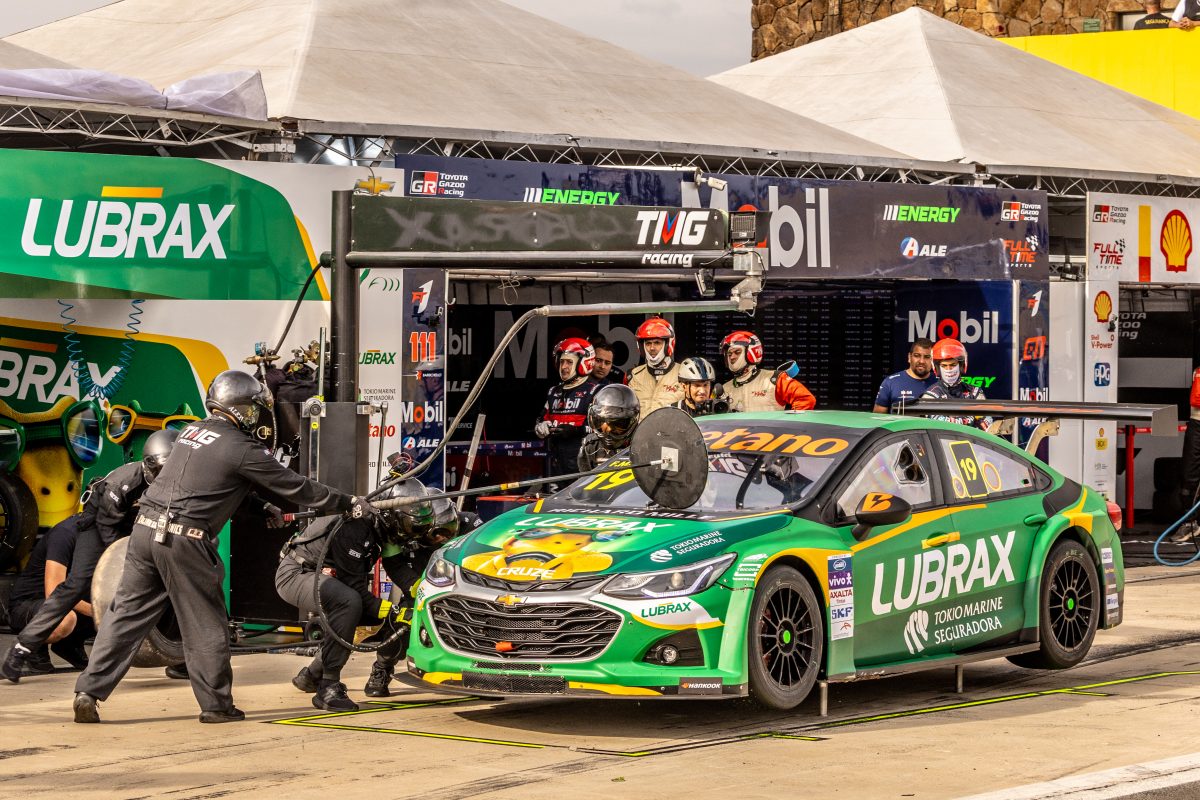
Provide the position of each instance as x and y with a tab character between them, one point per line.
785	639
163	646
1068	609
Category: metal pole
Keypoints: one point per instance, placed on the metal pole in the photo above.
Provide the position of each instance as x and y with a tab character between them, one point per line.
470	465
1130	433
344	308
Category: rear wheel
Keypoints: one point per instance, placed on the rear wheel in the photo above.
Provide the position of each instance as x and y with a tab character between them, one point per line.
785	639
163	646
1068	609
18	521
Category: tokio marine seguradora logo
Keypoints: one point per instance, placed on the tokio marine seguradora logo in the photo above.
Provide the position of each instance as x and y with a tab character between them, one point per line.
125	222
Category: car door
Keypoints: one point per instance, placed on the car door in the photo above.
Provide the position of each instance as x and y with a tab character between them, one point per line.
887	562
996	497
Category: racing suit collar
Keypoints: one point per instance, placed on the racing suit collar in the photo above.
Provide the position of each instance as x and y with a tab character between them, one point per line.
745	376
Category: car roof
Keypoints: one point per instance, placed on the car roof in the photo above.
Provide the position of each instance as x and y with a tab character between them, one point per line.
845	419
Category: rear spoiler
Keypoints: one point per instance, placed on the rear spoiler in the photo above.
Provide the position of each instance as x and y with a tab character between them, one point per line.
1162	420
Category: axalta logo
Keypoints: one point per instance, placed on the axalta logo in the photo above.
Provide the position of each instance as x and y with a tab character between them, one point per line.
411	412
570	197
936	574
1109	254
435	184
902	213
1020	212
130	222
967	330
910	248
679	228
370	357
1110	214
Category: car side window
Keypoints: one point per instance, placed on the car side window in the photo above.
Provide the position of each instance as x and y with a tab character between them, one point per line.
900	468
976	470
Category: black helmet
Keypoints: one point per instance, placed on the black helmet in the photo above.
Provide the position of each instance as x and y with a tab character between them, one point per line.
614	414
241	397
155	451
404	522
444	521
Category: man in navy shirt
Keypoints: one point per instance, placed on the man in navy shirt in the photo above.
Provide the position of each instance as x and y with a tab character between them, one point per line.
910	384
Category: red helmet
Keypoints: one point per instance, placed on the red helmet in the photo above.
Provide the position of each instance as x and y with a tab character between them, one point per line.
584	353
946	349
658	328
746	339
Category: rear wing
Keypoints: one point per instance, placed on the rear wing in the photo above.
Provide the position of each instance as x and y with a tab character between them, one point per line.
1162	420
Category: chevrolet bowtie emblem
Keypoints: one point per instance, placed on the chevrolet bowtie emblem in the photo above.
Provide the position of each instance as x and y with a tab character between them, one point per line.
510	600
373	185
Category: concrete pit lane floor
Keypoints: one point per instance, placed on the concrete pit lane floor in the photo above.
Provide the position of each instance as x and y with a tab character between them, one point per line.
1123	723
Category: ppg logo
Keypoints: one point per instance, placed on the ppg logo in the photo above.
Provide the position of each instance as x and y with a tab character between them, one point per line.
1102	373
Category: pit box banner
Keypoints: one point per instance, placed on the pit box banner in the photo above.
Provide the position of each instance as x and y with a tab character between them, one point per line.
1138	239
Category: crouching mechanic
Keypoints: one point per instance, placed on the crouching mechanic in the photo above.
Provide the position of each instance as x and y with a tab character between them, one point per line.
173	555
752	388
404	538
950	366
699	399
612	419
109	509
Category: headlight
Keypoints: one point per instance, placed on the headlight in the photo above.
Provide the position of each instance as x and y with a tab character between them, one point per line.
440	572
678	582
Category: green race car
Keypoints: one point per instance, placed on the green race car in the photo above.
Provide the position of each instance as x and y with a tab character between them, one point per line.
825	545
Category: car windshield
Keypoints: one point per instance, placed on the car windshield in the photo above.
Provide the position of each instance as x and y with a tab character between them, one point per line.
751	466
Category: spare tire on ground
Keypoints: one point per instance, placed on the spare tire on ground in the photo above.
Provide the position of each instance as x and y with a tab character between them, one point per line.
163	646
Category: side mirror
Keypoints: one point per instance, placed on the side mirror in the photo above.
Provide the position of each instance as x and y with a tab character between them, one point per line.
878	508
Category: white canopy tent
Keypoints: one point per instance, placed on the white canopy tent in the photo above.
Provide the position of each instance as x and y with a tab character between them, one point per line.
938	91
479	66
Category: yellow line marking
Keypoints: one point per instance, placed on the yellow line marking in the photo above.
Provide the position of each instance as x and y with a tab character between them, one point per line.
145	192
25	344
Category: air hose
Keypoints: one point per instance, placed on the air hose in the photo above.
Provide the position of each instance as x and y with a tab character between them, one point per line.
78	361
1163	536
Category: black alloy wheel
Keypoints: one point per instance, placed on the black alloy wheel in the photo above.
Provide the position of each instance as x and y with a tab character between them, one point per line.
1068	609
786	639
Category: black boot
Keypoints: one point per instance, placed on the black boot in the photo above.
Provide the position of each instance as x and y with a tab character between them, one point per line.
232	714
72	653
38	662
377	684
14	663
305	681
331	696
177	672
85	708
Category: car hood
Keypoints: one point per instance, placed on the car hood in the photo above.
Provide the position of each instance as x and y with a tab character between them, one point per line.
523	545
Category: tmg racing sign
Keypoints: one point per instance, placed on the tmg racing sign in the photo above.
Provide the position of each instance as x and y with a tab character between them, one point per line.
676	229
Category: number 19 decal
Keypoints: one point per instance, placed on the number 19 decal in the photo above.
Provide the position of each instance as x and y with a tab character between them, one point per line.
971	483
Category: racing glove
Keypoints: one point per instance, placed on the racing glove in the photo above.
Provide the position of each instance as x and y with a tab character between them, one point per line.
360	507
274	515
397	614
542	429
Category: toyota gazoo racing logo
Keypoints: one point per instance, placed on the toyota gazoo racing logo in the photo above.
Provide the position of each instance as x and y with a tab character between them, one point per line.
1110	214
968	330
437	184
910	248
126	222
916	631
933	575
1020	212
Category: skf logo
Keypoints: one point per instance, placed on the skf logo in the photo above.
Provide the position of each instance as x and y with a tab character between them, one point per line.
1175	241
1034	348
370	357
135	226
910	248
373	185
681	228
1020	212
1019	252
384	284
966	329
423	183
421	296
1102	373
509	600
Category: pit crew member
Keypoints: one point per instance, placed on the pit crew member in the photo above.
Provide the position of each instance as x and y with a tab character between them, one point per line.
656	382
563	422
752	388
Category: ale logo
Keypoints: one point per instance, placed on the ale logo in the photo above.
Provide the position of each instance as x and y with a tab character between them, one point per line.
125	222
916	631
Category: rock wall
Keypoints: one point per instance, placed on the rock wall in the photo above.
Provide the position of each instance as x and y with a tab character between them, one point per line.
780	25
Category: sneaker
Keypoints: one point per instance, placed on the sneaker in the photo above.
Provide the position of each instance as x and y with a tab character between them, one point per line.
377	684
13	665
331	696
73	654
305	681
38	663
177	672
1186	532
232	714
85	708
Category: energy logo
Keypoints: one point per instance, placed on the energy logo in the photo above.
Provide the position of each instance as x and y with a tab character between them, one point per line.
916	631
1175	241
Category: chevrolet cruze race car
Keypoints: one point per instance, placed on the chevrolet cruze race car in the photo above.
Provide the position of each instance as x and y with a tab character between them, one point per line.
832	545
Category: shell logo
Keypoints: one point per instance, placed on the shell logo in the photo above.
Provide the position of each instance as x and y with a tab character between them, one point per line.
1103	307
1175	241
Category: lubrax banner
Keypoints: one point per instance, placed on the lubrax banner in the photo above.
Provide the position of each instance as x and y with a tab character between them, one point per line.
817	229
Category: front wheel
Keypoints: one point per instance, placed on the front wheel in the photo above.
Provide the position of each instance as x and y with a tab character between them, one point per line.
785	639
1068	609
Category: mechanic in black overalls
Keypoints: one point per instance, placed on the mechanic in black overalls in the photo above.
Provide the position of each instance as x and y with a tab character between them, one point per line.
346	595
109	508
612	418
173	548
